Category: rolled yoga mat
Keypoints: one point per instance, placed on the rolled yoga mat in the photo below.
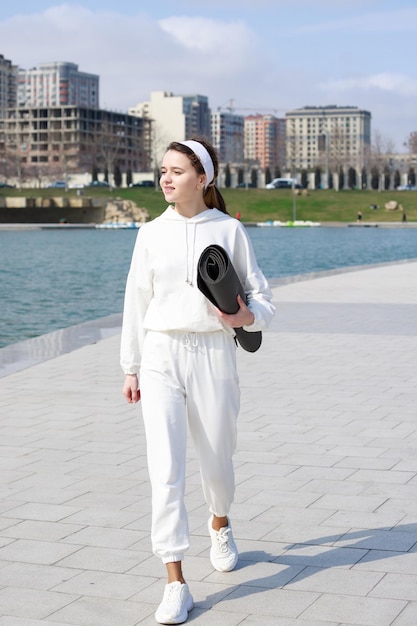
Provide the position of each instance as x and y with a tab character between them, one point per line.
218	281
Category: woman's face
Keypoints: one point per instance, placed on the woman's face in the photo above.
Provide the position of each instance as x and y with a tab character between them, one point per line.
180	181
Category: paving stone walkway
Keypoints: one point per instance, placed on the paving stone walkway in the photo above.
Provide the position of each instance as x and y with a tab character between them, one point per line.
326	504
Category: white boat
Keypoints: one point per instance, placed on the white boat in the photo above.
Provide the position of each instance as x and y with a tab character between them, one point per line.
289	224
118	225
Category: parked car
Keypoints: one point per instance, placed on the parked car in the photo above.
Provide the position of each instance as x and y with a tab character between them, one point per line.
99	183
407	188
6	186
283	183
58	184
143	183
244	185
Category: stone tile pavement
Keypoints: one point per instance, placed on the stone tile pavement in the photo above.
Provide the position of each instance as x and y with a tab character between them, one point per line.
326	505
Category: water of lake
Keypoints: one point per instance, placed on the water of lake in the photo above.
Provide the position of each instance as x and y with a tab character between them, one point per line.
52	279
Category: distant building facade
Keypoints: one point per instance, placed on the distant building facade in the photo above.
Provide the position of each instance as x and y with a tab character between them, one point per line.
57	84
174	118
57	141
265	141
8	84
227	135
329	137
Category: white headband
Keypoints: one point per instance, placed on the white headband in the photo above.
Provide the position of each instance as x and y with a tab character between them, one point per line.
204	157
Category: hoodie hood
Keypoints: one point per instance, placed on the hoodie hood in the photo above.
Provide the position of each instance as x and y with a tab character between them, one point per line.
209	215
190	229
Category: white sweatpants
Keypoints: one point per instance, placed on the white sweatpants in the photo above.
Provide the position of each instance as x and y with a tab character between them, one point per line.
188	377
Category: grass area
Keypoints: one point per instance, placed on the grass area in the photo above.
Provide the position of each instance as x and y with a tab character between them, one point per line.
258	205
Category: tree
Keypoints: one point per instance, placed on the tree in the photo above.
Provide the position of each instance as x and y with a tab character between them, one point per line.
341	178
317	178
277	172
381	156
268	176
411	178
107	143
117	176
374	177
129	177
387	177
397	179
158	143
364	178
254	177
15	163
304	179
94	173
335	153
351	178
240	176
227	176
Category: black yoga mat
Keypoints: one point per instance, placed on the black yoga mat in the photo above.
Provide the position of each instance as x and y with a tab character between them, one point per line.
218	281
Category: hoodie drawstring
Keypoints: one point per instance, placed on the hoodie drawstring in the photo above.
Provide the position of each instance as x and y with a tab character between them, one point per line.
190	341
190	274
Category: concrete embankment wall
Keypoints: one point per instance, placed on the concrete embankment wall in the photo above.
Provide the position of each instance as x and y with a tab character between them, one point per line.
78	210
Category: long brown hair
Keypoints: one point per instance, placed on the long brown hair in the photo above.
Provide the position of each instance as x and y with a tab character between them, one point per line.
212	196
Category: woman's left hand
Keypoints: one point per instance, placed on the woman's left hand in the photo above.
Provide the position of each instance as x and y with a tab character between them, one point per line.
243	317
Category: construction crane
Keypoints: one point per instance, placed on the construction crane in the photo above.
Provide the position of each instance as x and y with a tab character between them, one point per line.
231	108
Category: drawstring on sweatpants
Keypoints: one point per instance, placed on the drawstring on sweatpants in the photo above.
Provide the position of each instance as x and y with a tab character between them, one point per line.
190	341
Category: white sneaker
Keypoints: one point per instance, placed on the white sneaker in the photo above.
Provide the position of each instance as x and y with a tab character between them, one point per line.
175	605
223	552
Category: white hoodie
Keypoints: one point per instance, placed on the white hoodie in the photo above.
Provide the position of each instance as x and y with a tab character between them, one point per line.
161	289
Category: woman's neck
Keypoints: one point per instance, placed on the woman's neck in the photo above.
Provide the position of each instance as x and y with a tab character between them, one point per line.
190	210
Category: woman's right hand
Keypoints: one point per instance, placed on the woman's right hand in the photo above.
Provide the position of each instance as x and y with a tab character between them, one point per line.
131	389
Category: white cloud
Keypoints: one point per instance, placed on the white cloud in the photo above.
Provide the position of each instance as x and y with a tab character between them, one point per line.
135	55
398	84
207	35
222	46
248	60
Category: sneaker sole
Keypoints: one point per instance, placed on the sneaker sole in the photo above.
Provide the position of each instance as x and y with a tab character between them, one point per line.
229	568
181	618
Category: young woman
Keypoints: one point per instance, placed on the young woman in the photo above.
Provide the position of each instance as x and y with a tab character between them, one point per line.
183	350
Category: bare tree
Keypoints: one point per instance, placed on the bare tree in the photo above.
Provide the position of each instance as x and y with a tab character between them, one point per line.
159	142
15	164
381	159
339	157
381	148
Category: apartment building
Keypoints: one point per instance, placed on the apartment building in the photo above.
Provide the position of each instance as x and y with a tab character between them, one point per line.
174	118
265	141
58	141
329	137
227	136
57	84
8	84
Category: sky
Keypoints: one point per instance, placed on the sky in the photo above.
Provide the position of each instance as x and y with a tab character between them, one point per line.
251	56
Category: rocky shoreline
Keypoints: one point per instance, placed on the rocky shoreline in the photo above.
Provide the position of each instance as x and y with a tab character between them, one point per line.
77	210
